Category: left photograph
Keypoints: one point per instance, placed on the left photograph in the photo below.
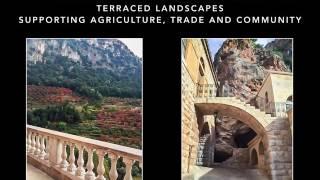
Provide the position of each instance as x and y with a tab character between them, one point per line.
84	108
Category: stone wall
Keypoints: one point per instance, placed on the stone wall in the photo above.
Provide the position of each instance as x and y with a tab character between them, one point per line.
278	158
282	85
194	50
190	131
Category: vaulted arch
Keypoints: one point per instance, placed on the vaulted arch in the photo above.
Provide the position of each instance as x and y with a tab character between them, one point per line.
232	107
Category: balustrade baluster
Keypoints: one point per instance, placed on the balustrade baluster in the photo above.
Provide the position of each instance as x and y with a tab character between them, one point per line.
128	163
72	167
33	143
42	147
52	147
46	157
29	142
80	170
90	174
38	145
113	174
64	162
101	168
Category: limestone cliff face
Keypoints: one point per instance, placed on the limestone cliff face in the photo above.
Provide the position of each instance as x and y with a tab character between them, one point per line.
240	66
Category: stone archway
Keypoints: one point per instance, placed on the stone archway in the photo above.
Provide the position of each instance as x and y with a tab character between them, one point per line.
229	106
232	107
263	124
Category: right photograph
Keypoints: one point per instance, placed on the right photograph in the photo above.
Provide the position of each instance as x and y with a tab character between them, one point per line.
237	108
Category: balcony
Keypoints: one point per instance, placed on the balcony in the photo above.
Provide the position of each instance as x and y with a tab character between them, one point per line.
205	90
63	156
276	109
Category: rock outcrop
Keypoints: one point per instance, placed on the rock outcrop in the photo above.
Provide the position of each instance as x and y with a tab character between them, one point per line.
240	66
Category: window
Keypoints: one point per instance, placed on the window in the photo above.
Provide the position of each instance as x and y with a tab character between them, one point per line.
266	98
202	63
254	157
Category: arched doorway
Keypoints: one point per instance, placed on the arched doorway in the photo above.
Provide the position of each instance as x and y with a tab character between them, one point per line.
289	103
254	157
261	155
205	129
261	148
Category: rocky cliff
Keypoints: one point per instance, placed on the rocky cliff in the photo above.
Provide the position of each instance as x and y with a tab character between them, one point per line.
91	67
240	66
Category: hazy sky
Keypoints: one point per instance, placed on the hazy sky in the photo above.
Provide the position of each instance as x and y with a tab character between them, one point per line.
215	43
134	44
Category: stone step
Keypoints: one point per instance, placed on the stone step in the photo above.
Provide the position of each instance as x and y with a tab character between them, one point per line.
203	156
203	149
202	160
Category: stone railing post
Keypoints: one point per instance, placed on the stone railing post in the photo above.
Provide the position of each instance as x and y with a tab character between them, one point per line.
80	170
129	164
55	151
38	145
113	174
72	167
100	168
42	148
90	174
64	163
29	142
46	157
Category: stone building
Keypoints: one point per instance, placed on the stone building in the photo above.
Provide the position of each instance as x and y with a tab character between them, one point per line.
275	95
197	75
268	155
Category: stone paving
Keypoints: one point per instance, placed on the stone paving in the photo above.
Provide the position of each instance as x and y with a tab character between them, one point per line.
219	173
36	174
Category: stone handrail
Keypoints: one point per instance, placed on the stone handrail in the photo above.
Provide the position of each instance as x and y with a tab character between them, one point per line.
276	109
51	146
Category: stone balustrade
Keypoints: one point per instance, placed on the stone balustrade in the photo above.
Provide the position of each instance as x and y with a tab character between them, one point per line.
49	148
205	90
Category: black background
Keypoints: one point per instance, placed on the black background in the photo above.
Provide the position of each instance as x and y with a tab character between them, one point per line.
161	62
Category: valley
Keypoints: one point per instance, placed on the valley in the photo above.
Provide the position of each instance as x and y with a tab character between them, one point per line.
115	120
89	88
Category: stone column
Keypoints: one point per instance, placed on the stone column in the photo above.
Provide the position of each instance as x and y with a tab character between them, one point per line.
55	150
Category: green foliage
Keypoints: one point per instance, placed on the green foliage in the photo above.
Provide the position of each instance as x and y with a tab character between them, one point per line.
278	53
89	112
62	113
121	132
112	109
91	82
61	126
258	46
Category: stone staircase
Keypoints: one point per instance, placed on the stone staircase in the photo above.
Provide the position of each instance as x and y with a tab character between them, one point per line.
203	158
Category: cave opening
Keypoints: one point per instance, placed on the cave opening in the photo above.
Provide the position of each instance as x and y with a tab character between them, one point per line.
242	140
220	156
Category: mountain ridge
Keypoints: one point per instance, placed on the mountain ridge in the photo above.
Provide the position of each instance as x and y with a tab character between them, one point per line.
91	67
